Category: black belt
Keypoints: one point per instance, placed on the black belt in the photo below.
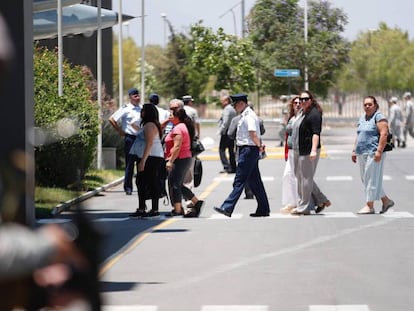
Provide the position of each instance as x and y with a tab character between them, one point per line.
129	135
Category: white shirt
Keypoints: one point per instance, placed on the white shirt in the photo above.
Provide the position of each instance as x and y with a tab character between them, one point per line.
163	114
248	122
127	116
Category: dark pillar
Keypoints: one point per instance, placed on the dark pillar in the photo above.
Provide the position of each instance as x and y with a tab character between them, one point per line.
16	111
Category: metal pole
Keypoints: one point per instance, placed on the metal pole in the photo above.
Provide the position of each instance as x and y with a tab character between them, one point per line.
234	22
143	52
60	48
120	58
164	17
99	77
306	45
242	20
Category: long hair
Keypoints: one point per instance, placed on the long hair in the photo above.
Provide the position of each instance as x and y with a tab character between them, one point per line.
182	116
314	101
149	113
292	107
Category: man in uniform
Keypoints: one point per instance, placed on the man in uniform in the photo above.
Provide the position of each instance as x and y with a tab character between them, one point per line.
249	144
121	120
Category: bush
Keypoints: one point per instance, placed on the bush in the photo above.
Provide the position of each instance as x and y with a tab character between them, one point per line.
66	127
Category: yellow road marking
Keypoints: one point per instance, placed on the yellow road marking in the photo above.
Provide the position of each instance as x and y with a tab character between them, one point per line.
141	237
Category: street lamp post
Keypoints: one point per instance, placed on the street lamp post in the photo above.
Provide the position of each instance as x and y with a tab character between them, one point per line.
99	77
164	17
143	52
306	45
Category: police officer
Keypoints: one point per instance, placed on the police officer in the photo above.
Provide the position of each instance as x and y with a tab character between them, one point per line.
249	144
122	121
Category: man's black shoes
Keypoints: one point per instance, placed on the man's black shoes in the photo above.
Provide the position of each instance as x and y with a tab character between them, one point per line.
222	211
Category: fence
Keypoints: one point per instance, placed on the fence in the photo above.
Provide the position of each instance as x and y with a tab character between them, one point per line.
348	110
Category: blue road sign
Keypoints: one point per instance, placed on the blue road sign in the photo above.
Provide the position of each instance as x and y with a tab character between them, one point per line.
287	73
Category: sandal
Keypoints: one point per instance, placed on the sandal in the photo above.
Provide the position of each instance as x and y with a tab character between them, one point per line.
322	206
366	210
387	206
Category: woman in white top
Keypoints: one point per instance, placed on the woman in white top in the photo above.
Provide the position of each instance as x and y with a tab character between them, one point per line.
150	179
289	182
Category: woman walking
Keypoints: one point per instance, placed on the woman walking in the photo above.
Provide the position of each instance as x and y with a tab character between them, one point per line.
307	148
368	152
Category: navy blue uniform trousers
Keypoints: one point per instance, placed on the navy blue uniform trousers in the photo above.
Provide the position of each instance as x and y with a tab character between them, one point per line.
247	171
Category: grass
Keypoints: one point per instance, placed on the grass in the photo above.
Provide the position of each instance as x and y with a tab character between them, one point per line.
48	198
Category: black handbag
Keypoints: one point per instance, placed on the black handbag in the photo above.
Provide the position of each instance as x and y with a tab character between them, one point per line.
390	143
196	147
198	172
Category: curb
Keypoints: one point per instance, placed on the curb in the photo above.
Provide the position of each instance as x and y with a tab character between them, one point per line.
65	205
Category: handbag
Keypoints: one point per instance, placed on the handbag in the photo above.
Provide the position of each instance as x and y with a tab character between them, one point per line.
196	147
390	140
390	143
198	172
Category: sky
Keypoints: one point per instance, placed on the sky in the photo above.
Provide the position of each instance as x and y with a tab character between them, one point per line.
363	15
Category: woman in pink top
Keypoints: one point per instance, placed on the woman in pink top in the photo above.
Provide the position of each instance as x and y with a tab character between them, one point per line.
178	156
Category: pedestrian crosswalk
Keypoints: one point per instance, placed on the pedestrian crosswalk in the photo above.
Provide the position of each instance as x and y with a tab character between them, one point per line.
389	214
238	216
242	308
230	178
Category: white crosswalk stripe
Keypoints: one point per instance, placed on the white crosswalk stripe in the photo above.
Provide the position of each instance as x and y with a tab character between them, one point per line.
242	308
338	308
129	308
389	214
234	308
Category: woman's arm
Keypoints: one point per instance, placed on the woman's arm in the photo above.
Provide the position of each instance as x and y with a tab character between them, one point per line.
382	127
175	150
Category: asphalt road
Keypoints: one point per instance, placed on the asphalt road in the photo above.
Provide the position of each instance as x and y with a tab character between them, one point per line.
334	261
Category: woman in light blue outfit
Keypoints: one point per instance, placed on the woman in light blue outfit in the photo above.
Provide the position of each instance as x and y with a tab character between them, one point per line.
368	152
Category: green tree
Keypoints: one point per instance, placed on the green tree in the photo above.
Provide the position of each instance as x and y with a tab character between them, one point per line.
276	28
67	126
227	58
130	55
379	61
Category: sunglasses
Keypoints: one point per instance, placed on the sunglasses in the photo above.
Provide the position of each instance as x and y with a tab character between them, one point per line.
304	99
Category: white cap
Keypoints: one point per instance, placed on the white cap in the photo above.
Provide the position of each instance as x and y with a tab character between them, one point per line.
407	94
393	99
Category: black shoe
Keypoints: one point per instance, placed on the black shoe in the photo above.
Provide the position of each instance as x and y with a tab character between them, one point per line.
152	213
223	171
128	192
231	172
138	213
259	215
403	144
173	213
222	211
249	197
191	214
198	207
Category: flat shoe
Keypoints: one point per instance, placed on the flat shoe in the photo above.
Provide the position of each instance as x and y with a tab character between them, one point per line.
287	209
297	213
222	211
366	211
258	215
387	206
322	206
